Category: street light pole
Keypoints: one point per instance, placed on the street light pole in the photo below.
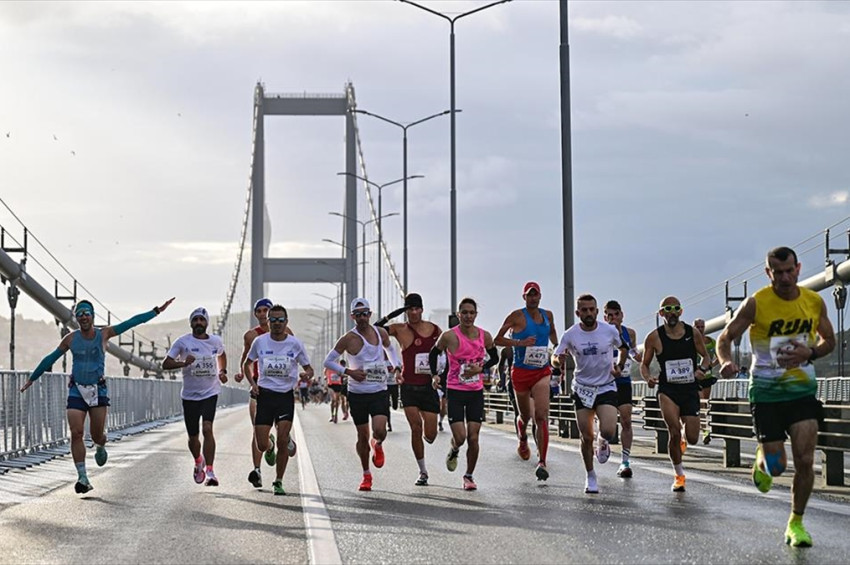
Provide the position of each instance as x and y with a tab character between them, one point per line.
453	110
380	188
363	239
404	129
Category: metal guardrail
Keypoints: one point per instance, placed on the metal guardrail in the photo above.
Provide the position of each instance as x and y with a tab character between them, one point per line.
36	419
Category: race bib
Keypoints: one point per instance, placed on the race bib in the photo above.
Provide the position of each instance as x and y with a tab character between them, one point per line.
587	394
679	371
89	393
204	367
536	356
421	365
470	380
779	345
376	373
277	366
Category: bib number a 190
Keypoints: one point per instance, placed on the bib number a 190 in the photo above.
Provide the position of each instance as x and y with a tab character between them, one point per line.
679	371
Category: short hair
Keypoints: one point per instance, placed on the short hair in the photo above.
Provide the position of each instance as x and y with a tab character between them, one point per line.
467	300
612	305
278	308
781	254
586	297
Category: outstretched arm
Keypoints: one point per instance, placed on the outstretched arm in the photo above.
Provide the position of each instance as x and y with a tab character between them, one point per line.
138	319
49	360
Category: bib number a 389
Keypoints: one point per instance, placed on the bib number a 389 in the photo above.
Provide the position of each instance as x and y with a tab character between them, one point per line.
679	371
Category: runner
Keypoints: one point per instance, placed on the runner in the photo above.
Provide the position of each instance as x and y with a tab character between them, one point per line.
591	346
304	391
261	312
335	385
710	379
365	346
277	355
677	345
343	393
418	395
204	364
614	316
789	329
87	391
470	350
532	328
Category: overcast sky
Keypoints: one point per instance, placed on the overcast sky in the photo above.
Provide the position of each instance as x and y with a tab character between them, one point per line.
704	133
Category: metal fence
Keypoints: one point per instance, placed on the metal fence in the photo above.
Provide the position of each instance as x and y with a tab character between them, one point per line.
36	419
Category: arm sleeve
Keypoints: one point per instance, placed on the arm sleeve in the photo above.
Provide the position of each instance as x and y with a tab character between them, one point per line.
494	358
332	362
136	320
385	320
46	363
433	355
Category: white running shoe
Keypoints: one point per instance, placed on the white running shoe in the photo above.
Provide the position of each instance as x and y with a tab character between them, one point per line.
590	486
603	450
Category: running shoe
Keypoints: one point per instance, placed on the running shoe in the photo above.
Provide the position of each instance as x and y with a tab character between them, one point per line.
422	481
100	456
522	450
198	472
796	534
678	484
389	427
335	419
451	459
82	487
684	446
603	450
440	425
277	488
469	483
590	486
378	455
212	480
541	472
331	419
254	478
762	480
366	483
271	455
624	471
706	436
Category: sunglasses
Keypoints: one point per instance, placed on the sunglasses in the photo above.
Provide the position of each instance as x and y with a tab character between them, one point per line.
365	314
83	314
273	319
671	308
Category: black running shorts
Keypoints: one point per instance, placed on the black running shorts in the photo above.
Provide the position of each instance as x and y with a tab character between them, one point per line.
465	405
363	406
274	407
194	410
423	397
772	420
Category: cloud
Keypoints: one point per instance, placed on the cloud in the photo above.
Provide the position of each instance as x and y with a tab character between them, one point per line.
837	198
614	26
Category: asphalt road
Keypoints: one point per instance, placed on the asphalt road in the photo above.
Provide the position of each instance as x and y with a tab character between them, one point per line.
146	508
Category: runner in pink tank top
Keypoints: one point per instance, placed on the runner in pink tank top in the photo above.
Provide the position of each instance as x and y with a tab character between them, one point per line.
470	351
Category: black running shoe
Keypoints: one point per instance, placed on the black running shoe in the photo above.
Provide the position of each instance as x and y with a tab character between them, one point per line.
82	488
255	479
422	481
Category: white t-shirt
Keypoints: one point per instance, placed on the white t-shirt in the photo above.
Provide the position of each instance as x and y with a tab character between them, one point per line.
200	379
278	361
592	352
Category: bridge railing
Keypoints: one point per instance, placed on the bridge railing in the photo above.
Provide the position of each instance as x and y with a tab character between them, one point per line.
37	420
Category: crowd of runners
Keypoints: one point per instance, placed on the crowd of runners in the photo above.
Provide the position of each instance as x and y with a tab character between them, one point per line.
435	374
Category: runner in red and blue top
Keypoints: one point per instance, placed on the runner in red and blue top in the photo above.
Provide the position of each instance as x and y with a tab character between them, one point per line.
532	329
418	395
470	351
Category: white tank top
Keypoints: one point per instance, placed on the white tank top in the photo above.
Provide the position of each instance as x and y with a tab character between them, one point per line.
371	360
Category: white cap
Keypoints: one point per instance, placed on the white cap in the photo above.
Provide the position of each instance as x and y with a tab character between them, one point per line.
200	311
360	304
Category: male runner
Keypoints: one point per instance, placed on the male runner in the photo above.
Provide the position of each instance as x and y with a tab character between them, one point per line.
261	312
469	350
334	380
591	346
418	395
532	329
677	345
204	363
789	329
87	391
705	384
365	346
277	355
614	316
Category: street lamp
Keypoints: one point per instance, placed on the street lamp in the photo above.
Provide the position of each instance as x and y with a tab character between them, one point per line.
404	129
452	110
363	238
380	188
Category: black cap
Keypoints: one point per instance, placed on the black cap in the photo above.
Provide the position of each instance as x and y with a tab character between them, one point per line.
412	300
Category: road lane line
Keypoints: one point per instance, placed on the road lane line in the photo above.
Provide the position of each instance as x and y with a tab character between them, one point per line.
321	542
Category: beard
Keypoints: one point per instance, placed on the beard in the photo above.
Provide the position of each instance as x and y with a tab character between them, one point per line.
198	330
671	320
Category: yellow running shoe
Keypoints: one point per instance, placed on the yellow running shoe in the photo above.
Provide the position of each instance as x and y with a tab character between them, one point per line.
684	446
679	484
796	534
762	480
